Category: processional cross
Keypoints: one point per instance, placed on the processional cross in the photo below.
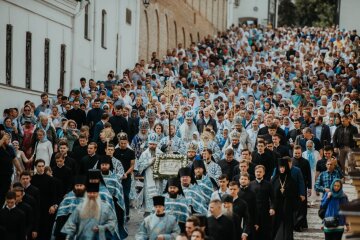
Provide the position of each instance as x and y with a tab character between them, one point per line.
169	93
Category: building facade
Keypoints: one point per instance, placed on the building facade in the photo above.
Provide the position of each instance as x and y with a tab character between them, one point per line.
50	44
47	45
348	11
260	12
165	23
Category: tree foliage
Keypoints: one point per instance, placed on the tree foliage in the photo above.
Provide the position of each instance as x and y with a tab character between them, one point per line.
307	12
287	13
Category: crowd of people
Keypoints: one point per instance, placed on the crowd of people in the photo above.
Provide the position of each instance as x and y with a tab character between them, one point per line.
264	117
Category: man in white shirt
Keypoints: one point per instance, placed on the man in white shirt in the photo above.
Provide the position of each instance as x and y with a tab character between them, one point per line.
223	189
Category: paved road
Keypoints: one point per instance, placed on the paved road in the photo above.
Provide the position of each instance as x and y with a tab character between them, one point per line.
313	233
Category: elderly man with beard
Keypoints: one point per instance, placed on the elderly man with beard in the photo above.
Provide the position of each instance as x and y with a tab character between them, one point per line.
68	205
176	203
152	187
139	142
159	225
187	128
92	219
192	191
115	188
206	183
244	139
235	145
172	143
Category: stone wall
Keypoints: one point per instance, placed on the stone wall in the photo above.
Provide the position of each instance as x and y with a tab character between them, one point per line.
165	23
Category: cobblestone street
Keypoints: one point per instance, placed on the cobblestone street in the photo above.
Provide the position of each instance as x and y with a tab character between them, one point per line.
314	232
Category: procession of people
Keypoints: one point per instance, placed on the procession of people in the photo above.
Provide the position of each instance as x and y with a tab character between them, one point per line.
264	118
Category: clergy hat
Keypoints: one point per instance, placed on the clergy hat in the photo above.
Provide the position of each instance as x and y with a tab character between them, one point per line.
105	159
227	198
94	174
150	113
235	135
199	164
189	115
185	171
174	182
153	138
159	200
79	179
282	162
93	187
237	121
192	147
144	124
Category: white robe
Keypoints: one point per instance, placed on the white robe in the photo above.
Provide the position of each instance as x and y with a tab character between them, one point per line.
152	187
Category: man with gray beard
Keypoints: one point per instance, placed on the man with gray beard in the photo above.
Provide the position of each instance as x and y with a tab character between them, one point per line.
92	219
152	187
139	142
187	129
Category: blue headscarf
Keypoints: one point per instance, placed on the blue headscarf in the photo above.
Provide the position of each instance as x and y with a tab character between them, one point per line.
339	193
310	154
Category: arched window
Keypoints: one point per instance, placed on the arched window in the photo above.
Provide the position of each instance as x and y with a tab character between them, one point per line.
158	32
183	30
86	22
167	32
176	36
147	35
198	36
103	28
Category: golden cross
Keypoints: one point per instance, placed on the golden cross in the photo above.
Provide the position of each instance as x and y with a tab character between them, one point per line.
169	91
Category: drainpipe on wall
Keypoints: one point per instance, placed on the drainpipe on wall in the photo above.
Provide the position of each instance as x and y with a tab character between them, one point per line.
93	42
80	7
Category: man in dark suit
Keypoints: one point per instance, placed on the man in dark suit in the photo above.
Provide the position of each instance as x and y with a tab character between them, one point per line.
133	122
12	219
94	115
206	121
22	197
321	131
25	180
118	122
100	125
77	114
26	208
48	207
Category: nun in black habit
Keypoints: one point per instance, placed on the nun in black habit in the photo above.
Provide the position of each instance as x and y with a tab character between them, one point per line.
286	195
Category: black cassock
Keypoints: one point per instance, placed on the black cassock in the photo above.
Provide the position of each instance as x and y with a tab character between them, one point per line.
48	197
301	213
221	228
284	206
12	224
264	201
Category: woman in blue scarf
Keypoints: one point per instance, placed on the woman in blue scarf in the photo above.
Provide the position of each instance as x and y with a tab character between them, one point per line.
332	200
312	156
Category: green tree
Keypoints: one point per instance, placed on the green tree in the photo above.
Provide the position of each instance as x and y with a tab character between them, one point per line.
316	12
287	13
